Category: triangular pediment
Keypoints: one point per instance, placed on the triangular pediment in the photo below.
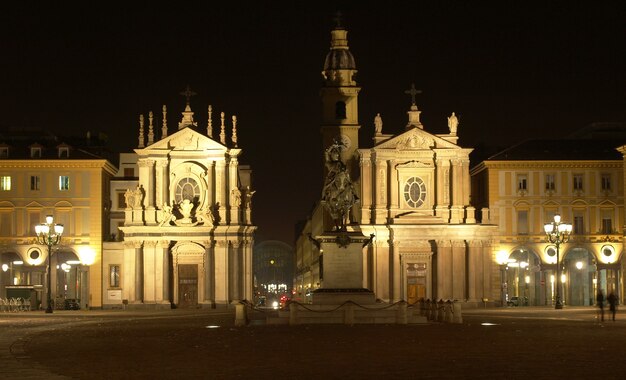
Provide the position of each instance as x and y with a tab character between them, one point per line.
186	139
416	139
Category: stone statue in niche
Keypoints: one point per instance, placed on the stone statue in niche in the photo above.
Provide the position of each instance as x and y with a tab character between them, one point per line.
249	194
338	193
236	197
453	123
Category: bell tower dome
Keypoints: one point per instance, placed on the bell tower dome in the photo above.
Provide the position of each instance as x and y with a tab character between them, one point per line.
339	95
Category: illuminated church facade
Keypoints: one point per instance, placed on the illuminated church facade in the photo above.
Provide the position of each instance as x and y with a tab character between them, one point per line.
185	227
414	190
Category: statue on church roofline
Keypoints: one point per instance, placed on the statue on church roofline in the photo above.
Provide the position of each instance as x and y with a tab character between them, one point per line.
378	124
338	194
453	123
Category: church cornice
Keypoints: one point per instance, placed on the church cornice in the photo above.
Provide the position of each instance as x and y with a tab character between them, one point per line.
529	165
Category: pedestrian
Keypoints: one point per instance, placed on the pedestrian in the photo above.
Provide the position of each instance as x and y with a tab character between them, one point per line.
612	299
600	303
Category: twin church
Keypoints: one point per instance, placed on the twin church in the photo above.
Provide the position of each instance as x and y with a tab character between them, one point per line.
172	226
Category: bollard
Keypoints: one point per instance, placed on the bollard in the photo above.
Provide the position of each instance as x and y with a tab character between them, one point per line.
401	314
434	311
440	311
457	316
448	312
422	307
240	315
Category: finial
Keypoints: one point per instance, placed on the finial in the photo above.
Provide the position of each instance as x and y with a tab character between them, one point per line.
188	93
223	130
164	128
412	91
141	137
234	136
209	128
150	128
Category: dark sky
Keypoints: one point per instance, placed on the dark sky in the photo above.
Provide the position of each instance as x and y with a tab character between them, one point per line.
510	70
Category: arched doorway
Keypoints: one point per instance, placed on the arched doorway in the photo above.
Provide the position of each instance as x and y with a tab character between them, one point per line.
579	275
523	278
69	281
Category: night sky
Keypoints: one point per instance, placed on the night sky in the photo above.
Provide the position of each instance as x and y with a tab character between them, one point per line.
510	71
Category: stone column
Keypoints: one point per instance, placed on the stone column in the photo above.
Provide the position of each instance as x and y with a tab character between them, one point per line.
465	168
487	261
138	272
220	190
162	272
233	179
458	270
393	189
147	181
149	272
247	270
208	274
444	269
235	272
443	189
221	272
475	272
457	192
210	178
366	190
129	272
396	273
381	187
162	184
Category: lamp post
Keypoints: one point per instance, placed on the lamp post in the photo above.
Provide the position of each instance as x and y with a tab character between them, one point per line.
558	233
49	233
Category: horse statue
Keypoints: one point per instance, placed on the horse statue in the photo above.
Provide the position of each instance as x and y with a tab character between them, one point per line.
338	193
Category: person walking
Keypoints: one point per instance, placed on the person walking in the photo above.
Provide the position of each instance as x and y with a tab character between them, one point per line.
612	299
600	303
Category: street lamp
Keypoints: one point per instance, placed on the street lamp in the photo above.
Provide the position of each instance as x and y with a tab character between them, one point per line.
558	233
49	233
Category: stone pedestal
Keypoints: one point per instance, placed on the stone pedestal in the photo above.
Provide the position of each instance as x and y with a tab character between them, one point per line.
342	269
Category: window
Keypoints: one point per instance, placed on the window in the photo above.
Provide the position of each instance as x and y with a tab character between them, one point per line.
607	222
64	182
4	152
579	226
522	222
578	182
114	276
606	182
522	183
35	152
550	182
129	172
414	192
5	183
121	200
64	152
340	110
34	182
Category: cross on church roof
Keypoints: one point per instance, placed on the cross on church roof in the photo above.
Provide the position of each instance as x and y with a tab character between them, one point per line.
188	93
412	91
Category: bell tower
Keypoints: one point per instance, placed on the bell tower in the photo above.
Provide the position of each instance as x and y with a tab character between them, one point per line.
339	93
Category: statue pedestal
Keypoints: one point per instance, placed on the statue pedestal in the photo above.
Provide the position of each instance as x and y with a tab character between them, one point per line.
342	270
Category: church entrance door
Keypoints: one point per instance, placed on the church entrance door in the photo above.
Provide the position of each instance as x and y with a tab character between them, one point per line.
187	285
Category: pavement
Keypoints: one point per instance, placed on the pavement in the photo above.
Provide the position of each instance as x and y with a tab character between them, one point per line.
491	343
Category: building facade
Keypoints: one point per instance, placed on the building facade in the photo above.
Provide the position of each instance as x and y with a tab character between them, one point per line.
414	190
186	236
524	186
41	175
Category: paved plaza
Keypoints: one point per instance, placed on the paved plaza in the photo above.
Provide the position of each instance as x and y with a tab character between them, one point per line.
499	343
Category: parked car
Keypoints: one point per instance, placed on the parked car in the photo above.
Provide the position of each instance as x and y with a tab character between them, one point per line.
513	301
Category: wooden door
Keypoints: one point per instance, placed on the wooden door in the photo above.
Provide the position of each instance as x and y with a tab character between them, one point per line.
187	285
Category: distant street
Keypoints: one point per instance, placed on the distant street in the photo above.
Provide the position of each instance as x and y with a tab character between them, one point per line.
500	343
